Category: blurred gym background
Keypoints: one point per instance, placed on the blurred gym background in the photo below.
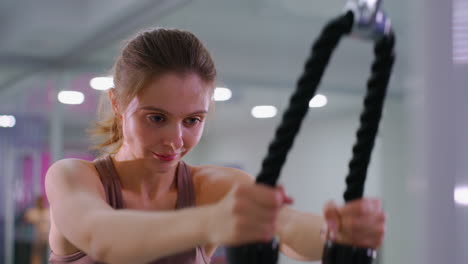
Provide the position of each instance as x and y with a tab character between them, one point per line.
419	167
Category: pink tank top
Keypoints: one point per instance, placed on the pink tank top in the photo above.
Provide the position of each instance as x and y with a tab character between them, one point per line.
111	183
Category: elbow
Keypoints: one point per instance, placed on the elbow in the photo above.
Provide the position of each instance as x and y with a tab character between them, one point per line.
107	243
98	247
98	250
99	253
107	254
106	249
104	253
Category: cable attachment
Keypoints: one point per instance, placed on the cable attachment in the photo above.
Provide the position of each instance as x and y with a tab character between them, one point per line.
370	21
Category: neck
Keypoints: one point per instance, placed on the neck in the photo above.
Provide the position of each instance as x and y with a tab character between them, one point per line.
143	176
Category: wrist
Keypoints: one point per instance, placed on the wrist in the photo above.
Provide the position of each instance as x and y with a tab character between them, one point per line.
206	225
286	220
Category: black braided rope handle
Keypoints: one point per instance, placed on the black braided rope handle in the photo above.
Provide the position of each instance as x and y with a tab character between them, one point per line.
370	117
267	253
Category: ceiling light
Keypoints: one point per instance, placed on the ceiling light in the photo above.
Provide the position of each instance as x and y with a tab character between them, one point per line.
319	100
264	111
7	121
102	83
459	32
460	195
222	94
70	97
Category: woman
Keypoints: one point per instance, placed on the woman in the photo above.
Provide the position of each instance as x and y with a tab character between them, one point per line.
142	204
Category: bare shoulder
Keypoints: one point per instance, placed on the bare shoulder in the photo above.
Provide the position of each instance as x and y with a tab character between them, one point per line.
70	165
73	189
69	168
71	173
213	182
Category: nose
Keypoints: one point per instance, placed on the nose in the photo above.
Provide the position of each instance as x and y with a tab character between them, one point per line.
173	137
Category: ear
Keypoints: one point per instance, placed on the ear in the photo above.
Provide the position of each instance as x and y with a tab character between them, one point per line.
114	102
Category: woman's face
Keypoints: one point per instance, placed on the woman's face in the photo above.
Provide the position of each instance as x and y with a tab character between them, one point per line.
165	121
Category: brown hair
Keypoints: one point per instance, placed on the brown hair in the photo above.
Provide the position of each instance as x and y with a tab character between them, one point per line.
148	55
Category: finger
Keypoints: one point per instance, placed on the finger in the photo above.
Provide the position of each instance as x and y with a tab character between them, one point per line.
256	213
331	210
363	223
332	217
362	217
361	207
264	196
362	241
364	230
286	198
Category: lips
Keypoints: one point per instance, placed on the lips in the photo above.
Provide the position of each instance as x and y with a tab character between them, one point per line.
165	157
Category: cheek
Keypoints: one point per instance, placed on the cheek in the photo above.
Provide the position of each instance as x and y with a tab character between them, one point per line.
134	130
194	135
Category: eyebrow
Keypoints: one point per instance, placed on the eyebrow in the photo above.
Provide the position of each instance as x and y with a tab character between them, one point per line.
156	109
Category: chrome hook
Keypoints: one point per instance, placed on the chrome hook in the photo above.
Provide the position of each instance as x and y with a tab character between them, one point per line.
370	21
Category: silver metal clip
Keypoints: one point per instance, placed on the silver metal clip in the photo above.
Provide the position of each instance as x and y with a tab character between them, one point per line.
370	21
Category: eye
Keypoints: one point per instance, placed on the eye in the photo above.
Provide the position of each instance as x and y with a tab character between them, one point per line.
192	121
156	118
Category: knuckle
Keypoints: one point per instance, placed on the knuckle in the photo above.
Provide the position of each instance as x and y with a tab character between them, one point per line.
267	234
381	231
377	203
375	243
271	214
362	209
239	192
276	197
274	228
351	233
238	207
236	237
239	225
380	242
354	224
383	217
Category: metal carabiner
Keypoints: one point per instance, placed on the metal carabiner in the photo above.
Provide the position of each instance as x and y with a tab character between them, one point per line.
370	21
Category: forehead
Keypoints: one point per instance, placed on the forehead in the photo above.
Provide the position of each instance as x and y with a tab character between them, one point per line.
175	93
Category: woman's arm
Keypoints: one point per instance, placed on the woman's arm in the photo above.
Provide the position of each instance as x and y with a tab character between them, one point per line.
301	234
360	223
81	214
246	213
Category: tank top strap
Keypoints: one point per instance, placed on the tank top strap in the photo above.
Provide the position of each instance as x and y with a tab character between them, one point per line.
110	180
185	187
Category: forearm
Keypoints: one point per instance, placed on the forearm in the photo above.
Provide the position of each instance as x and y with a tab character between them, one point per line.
300	234
128	236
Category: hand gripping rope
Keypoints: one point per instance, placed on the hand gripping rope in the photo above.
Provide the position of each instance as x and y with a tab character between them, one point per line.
365	19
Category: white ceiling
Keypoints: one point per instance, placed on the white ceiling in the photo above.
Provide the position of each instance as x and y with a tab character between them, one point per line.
259	47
